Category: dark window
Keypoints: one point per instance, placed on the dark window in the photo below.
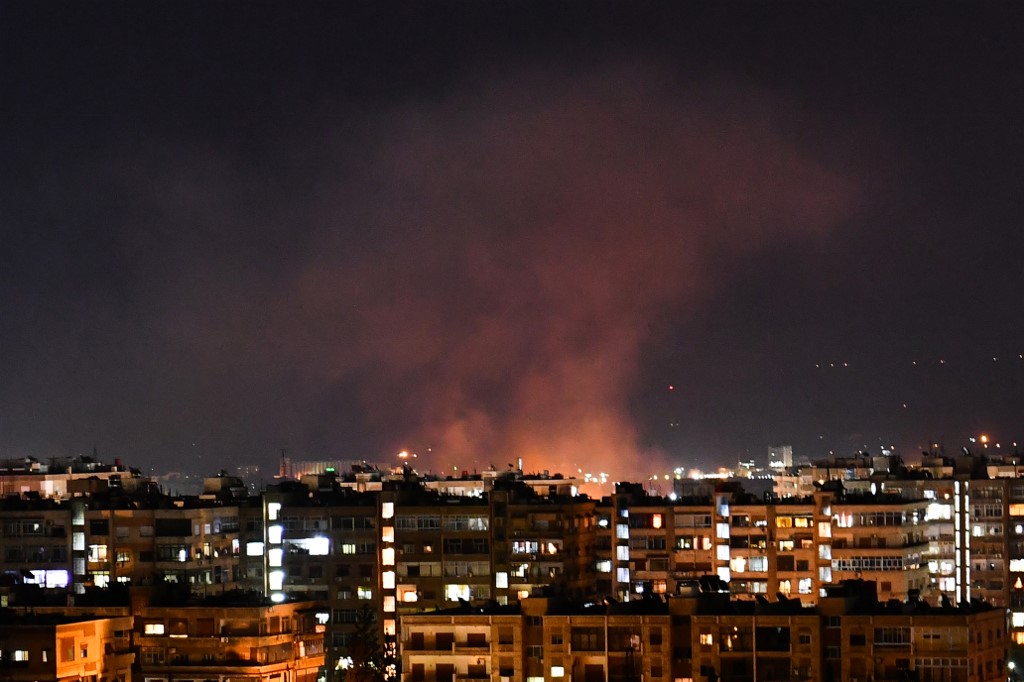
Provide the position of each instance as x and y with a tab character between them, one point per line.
99	527
588	639
173	527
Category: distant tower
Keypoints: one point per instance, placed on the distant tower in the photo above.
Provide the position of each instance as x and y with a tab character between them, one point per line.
780	457
285	465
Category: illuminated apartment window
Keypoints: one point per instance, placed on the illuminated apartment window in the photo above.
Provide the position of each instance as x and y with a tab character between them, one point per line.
364	593
387	534
387	556
274	557
274	534
501	578
388	580
348	548
273	508
153	629
457	592
389	604
387	510
707	639
254	549
97	552
276	580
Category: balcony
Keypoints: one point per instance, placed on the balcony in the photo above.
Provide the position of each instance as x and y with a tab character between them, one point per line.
468	648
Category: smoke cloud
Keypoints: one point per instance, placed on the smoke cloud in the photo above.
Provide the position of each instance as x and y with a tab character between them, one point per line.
492	270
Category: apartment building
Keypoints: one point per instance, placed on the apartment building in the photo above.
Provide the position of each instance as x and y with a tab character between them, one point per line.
850	636
790	546
101	539
234	636
61	647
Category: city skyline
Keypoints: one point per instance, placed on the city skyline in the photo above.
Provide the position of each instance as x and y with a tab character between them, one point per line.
622	238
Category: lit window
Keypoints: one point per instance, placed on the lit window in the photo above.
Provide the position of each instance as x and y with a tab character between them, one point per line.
557	671
273	508
389	604
274	534
274	556
364	593
387	556
456	592
154	629
276	580
254	549
388	580
501	578
387	534
387	510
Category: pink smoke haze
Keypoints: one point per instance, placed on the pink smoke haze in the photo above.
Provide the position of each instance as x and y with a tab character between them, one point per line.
518	251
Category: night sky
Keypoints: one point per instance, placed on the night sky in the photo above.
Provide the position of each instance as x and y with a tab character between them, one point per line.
608	236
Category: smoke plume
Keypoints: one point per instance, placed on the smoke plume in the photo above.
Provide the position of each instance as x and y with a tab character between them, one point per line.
492	269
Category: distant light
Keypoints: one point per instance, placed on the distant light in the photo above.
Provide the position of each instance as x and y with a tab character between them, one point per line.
983	438
671	387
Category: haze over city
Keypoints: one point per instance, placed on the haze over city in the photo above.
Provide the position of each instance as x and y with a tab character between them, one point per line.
624	238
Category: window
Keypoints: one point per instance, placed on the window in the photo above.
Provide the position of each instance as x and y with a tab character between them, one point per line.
588	639
892	636
153	629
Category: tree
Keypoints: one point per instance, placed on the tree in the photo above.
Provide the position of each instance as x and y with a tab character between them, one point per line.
364	649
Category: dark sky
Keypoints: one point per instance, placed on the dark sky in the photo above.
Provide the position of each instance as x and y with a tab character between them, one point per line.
607	236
